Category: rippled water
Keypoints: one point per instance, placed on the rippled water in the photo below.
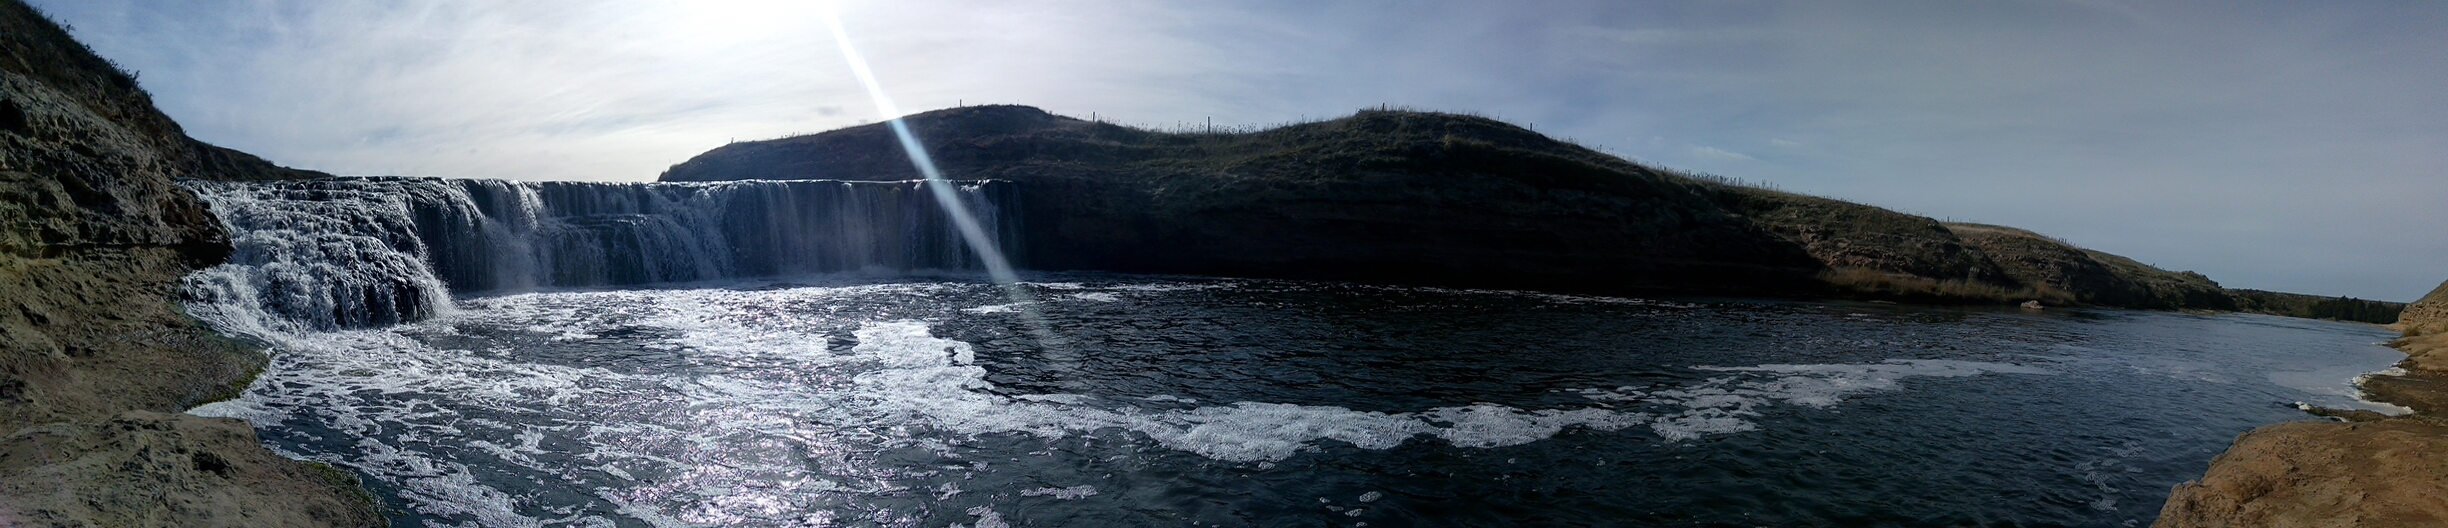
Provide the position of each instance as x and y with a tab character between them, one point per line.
1258	403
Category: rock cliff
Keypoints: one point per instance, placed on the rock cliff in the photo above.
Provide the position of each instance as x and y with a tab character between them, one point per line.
94	239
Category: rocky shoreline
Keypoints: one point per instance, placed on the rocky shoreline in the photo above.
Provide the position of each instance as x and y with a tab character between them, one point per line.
2369	471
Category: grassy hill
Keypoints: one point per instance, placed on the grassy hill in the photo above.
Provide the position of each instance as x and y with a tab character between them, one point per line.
1453	200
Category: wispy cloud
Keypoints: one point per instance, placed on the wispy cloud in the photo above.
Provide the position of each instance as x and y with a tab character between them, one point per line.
1718	153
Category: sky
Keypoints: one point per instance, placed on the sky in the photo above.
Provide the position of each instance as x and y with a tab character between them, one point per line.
2281	145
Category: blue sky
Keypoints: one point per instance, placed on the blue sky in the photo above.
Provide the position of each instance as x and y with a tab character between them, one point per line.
2293	146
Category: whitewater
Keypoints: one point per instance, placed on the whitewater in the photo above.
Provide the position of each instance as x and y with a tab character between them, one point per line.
494	353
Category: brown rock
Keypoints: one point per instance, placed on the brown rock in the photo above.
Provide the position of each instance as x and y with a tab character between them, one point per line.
2428	315
155	469
2321	474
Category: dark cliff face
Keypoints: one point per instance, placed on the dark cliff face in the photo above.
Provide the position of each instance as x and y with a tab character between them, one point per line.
1427	198
94	239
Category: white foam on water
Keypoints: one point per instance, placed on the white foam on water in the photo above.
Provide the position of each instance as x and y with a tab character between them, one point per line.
2181	370
775	417
1725	405
1070	493
2362	400
1173	287
1490	425
1256	431
1096	297
1826	385
925	379
382	384
995	308
987	518
328	374
1698	423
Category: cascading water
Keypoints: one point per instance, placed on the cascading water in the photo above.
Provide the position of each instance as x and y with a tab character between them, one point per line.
364	252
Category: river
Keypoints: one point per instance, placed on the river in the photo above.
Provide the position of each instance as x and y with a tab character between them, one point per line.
865	395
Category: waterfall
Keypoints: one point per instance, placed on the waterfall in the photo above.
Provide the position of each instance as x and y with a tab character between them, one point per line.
361	252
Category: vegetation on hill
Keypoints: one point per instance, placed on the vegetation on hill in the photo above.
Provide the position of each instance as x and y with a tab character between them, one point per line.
1382	196
1459	200
2316	307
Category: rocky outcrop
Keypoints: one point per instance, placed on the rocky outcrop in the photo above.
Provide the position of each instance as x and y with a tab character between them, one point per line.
94	239
1450	200
2384	472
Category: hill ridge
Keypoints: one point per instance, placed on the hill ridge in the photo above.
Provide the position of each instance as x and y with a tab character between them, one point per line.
1513	208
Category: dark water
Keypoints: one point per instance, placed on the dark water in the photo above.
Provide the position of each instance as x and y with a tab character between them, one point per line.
1171	402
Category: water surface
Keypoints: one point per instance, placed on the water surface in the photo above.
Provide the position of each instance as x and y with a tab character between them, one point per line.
1172	401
